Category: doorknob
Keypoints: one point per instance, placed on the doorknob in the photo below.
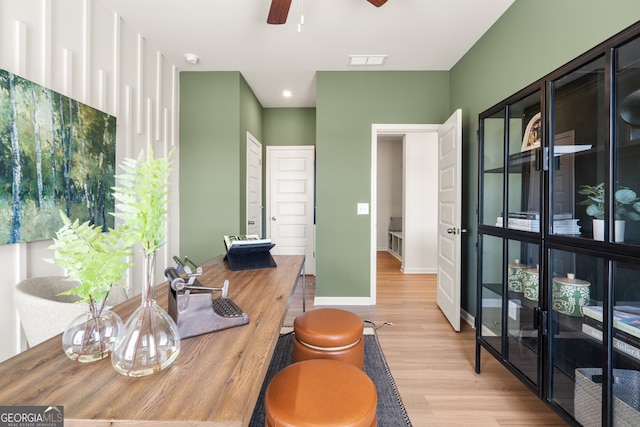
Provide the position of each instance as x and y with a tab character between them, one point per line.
273	218
251	222
456	231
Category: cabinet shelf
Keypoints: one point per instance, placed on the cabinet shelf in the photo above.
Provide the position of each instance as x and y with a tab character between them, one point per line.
519	161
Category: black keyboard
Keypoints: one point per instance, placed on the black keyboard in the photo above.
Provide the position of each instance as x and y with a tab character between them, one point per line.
226	308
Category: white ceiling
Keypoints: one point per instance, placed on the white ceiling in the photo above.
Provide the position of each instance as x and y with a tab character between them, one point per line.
233	35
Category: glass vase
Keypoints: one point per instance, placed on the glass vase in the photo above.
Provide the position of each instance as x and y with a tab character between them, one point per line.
91	336
149	340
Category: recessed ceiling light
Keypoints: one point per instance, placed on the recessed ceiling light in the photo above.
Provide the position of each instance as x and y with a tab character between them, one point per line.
287	93
367	59
191	58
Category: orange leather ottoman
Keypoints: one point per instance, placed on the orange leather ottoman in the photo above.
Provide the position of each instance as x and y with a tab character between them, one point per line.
329	333
320	393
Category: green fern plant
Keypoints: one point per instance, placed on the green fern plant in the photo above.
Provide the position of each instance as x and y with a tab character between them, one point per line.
141	198
95	259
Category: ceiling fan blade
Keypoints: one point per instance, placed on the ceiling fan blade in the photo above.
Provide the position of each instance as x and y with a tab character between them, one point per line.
377	3
279	11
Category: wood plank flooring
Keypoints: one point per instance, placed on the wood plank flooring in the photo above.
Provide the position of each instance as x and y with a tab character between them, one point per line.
433	365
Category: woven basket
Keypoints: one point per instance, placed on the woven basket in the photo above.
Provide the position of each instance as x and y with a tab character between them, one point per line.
626	398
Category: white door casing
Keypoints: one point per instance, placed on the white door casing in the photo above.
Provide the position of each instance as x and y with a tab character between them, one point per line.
291	201
254	186
453	129
449	217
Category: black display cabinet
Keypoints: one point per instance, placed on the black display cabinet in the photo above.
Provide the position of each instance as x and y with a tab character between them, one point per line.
559	235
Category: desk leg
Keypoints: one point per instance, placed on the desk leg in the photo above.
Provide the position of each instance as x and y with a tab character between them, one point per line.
304	290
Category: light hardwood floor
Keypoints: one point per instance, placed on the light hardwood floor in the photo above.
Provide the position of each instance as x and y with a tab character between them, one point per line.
433	365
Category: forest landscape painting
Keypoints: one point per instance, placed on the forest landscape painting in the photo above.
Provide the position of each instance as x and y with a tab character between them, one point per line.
56	154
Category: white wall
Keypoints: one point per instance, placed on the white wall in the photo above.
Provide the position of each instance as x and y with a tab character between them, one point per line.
389	185
86	52
420	254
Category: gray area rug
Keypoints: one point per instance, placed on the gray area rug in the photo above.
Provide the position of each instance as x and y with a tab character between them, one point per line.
390	412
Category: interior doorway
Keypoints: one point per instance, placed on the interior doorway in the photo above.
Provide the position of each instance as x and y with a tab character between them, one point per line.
448	152
398	132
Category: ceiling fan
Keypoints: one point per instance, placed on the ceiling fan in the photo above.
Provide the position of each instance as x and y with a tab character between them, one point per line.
280	9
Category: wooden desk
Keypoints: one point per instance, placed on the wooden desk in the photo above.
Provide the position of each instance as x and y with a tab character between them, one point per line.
214	381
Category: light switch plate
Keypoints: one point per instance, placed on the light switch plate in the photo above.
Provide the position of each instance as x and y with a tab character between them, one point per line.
363	208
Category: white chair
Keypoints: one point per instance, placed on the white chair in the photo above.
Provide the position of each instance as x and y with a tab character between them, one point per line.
43	313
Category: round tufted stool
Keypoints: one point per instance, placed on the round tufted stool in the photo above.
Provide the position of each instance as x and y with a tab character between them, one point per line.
319	393
329	333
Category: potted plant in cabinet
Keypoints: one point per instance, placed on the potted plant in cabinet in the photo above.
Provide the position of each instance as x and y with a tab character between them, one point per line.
626	207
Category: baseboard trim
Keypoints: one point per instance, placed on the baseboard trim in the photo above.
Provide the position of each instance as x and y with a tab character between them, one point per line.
468	318
419	270
342	301
338	301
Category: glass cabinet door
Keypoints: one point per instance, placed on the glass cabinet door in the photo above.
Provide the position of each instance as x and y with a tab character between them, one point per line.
524	176
627	146
522	307
493	168
491	292
625	378
578	163
509	310
577	285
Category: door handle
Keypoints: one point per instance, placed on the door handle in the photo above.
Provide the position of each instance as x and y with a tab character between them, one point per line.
273	218
251	222
456	231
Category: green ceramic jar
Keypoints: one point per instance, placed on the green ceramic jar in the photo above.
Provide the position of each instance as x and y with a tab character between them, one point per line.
570	295
531	284
515	275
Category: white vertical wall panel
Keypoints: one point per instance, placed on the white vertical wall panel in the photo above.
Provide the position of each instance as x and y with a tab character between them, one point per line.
102	42
87	52
158	92
67	20
139	81
175	95
20	53
67	72
116	63
45	43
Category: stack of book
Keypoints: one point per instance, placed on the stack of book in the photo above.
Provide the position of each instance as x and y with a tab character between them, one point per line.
626	327
563	223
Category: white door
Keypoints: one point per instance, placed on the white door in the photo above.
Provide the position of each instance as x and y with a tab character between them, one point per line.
254	186
449	217
291	201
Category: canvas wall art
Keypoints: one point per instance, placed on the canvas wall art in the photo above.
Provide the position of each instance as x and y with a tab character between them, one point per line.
56	154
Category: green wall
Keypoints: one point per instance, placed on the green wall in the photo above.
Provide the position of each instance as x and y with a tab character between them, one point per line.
289	126
347	104
216	111
530	40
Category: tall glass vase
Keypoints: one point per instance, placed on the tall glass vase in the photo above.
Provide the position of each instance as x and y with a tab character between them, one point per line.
149	341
